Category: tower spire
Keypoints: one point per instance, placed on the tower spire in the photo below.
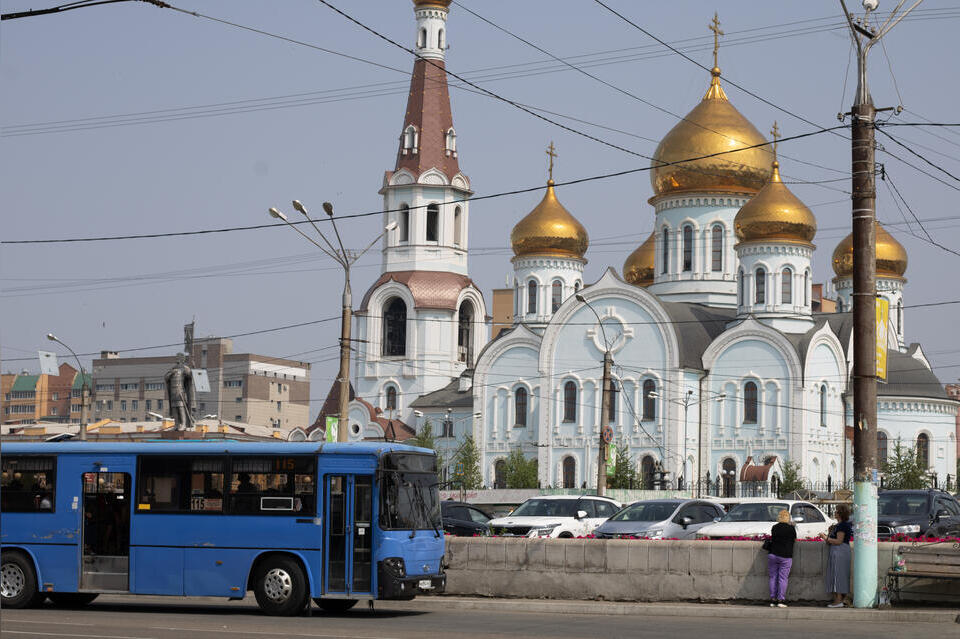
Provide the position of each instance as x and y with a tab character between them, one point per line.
775	132
551	151
715	27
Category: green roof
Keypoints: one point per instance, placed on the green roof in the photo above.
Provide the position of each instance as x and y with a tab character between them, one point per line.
78	380
25	383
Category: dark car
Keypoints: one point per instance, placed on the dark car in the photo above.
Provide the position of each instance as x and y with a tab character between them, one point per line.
917	513
463	519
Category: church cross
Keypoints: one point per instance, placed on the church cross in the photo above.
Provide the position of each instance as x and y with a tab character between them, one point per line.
552	152
715	27
775	132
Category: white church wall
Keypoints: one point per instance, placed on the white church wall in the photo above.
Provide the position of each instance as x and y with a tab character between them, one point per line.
905	418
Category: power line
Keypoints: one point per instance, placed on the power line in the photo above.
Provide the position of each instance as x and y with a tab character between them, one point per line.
914	153
382	211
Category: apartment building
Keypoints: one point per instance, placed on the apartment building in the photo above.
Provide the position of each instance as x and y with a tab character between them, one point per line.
48	398
244	387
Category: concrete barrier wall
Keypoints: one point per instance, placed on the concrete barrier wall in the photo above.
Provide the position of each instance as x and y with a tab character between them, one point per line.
635	570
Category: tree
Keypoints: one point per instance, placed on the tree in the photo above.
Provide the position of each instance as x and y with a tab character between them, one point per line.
903	469
792	479
625	474
520	472
424	439
469	457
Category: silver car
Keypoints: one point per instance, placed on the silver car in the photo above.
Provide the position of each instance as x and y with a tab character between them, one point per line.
660	519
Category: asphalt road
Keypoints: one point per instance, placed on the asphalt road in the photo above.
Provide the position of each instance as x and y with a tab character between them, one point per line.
120	617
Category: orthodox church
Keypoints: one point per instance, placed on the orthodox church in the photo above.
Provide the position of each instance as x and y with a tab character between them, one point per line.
722	367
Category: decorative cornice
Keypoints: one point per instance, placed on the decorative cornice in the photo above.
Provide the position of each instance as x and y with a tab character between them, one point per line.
693	200
548	261
775	248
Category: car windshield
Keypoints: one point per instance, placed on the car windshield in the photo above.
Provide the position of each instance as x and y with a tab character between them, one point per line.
549	508
754	512
409	495
647	511
892	504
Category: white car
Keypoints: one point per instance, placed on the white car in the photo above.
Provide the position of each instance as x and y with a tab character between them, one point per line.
756	517
555	516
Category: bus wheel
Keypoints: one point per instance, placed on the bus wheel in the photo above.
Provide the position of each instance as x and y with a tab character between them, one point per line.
280	587
335	605
71	599
18	582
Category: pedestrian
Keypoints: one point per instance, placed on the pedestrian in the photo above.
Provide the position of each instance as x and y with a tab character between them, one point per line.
838	561
780	560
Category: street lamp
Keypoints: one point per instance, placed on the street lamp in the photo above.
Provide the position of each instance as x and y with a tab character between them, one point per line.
687	401
604	402
84	388
345	259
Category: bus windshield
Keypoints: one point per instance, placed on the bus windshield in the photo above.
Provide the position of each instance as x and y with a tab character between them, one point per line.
409	492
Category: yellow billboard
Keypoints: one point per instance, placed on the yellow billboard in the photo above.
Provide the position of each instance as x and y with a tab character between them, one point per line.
883	313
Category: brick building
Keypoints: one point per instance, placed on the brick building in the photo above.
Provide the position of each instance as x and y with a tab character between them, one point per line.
48	398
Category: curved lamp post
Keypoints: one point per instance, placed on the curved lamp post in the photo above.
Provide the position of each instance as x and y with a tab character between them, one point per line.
84	388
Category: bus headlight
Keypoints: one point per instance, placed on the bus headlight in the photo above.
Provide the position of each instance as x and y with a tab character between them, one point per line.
396	566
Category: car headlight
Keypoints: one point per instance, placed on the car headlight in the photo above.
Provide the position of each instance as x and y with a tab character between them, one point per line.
396	566
543	531
653	534
913	528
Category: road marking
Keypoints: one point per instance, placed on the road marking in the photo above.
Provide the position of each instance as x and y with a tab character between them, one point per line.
272	633
52	623
59	634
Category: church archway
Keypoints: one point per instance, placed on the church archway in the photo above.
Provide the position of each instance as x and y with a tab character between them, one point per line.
647	467
465	333
569	472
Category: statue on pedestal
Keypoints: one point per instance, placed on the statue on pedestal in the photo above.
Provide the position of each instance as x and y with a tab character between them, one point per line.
180	394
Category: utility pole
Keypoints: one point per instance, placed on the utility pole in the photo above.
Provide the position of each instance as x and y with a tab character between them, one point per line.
863	114
604	419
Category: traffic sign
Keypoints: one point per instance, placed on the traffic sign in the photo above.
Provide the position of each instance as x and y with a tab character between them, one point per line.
459	469
607	434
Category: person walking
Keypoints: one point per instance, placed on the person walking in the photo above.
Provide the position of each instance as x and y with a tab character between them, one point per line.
780	560
838	562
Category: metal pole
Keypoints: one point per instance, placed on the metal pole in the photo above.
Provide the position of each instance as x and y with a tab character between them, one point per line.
686	408
84	406
604	419
344	374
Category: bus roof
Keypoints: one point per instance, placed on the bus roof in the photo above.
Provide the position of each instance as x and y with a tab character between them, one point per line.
207	448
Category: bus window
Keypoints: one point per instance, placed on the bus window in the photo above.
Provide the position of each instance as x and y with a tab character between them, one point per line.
272	485
409	498
180	484
28	484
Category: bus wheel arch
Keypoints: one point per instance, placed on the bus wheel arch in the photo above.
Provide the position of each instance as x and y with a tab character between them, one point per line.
281	583
20	579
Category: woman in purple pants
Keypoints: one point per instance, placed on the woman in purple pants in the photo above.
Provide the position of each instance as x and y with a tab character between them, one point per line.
782	537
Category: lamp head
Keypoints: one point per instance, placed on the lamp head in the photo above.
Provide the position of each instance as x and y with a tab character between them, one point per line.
418	413
579	298
52	337
328	208
653	394
390	226
300	208
275	213
871	5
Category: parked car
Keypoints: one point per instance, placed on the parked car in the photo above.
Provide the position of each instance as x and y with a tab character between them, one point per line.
463	519
555	516
756	517
660	519
917	513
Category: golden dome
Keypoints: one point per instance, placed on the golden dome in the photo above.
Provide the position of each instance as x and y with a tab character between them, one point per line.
713	126
443	4
891	256
549	229
638	268
775	214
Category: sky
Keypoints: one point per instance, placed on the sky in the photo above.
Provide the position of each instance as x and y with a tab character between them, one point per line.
129	119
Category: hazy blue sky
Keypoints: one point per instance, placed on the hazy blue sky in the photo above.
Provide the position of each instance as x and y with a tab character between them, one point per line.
200	168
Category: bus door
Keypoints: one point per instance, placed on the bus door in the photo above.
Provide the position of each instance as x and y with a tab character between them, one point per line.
106	531
349	535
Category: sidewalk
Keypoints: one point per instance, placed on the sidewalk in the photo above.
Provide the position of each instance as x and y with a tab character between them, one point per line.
739	611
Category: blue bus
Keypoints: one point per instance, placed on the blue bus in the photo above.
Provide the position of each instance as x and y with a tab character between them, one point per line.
333	522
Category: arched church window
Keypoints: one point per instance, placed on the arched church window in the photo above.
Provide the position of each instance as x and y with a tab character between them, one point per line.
760	286
532	297
899	318
556	295
729	471
806	288
750	403
823	404
451	140
422	38
717	249
688	248
923	450
520	407
569	472
465	334
410	138
517	297
666	250
649	402
570	402
395	328
404	223
433	222
612	413
647	468
500	474
440	40
881	447
786	286
741	301
391	398
457	226
576	286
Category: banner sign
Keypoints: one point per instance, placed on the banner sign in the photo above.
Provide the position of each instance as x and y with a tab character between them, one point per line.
332	426
48	363
883	313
